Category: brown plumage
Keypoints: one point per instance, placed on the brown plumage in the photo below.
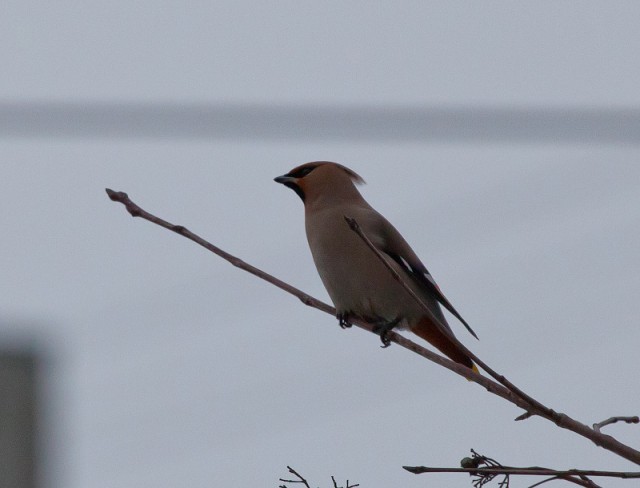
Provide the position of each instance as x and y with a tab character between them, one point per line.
357	281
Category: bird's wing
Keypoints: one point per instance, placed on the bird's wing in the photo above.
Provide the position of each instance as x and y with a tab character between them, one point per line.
392	243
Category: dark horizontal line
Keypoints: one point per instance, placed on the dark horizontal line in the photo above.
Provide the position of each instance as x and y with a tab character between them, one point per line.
322	122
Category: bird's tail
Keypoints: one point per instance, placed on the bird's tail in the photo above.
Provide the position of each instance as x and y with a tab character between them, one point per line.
431	333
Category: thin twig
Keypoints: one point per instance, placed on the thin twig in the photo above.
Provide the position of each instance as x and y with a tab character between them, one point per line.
559	419
302	480
524	416
613	420
347	485
586	482
531	471
481	461
136	211
295	473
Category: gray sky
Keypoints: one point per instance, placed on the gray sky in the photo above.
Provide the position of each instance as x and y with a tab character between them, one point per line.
168	367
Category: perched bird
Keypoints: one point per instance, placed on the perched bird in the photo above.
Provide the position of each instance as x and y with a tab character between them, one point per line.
357	281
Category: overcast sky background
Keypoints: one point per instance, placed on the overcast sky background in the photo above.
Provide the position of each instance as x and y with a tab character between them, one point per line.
168	367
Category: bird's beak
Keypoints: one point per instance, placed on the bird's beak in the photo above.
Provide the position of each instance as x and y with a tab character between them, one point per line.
285	180
291	182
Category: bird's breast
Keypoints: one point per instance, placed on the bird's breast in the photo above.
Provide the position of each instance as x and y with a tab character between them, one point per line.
355	279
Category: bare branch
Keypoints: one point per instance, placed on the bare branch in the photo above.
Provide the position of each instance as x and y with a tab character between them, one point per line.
505	390
335	485
532	406
299	480
484	469
136	211
302	480
530	471
308	300
613	420
578	481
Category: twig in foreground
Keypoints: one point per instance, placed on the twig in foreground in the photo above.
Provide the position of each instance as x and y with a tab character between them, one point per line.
531	471
485	469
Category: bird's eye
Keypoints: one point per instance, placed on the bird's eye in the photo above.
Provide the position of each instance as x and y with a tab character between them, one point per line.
302	172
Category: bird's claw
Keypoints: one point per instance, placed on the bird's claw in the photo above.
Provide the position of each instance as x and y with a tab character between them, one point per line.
383	329
343	320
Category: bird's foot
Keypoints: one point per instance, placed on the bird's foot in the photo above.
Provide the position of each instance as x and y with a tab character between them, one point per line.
383	329
343	320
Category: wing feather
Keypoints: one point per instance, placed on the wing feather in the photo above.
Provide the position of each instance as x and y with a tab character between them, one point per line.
395	246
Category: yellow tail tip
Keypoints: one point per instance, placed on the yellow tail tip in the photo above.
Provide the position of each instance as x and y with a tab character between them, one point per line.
475	369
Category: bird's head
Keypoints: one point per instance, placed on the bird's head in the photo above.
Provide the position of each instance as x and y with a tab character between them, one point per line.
321	179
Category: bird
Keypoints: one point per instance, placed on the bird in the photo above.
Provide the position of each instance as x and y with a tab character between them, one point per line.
357	281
